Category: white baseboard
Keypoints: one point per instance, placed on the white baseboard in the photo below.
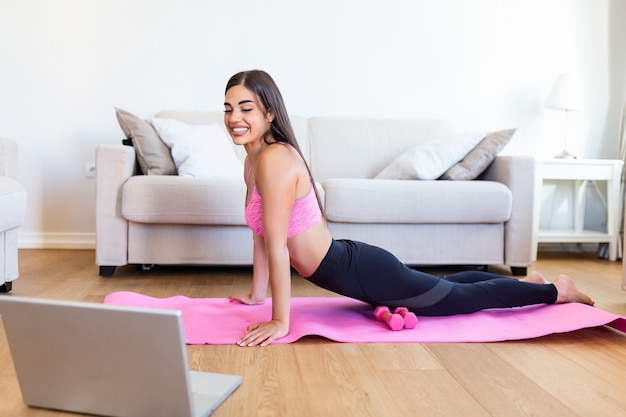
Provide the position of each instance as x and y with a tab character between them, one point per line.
29	240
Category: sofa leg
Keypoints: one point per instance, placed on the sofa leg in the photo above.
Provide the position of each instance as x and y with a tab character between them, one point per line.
519	271
107	271
6	287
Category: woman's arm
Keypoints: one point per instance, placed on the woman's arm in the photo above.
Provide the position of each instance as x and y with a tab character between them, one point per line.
276	179
260	275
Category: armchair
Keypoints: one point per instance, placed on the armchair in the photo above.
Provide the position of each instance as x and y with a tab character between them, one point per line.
12	213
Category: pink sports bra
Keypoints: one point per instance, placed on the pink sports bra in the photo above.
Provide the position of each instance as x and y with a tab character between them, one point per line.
304	214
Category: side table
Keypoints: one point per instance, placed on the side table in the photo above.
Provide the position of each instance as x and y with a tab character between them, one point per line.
580	171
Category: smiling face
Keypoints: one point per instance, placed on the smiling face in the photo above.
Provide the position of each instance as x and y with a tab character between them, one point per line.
245	118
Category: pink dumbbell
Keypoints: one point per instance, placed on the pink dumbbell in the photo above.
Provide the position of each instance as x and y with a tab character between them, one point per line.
394	321
410	319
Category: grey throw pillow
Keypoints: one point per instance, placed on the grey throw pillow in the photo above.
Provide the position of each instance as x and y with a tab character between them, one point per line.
153	156
479	158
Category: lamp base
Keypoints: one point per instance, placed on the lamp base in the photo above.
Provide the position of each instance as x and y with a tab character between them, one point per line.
565	155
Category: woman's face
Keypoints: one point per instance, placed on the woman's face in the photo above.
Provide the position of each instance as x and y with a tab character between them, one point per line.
245	117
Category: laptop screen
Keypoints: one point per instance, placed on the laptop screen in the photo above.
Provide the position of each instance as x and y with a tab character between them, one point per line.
99	359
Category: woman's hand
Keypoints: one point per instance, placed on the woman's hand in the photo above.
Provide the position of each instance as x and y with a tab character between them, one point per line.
248	299
264	333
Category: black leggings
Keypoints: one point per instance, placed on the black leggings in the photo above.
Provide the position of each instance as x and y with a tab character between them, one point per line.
375	276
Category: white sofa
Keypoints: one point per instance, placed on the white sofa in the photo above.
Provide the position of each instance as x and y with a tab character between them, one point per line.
169	219
12	213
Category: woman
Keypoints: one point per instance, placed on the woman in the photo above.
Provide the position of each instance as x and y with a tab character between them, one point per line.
289	229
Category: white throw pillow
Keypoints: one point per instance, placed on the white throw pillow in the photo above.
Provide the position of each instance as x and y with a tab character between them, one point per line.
199	150
428	160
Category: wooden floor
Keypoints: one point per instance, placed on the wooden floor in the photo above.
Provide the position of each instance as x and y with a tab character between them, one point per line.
582	373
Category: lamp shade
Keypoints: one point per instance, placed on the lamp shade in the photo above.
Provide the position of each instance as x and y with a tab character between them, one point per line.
565	93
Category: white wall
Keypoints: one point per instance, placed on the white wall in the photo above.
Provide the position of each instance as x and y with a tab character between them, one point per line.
64	64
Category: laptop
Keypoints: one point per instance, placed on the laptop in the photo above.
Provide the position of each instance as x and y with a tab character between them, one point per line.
107	360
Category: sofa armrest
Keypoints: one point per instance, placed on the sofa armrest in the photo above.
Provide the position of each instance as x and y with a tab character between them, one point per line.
518	173
114	165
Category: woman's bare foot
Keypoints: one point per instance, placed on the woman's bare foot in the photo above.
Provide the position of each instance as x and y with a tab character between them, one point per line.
568	293
535	277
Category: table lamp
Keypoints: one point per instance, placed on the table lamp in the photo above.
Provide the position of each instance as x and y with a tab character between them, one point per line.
565	95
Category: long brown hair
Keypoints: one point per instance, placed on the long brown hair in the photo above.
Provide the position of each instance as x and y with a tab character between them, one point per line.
263	86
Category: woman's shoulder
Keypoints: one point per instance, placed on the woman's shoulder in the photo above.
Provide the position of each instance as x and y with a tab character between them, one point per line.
277	153
278	160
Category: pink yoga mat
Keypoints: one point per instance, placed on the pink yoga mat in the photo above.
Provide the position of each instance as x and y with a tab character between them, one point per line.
218	321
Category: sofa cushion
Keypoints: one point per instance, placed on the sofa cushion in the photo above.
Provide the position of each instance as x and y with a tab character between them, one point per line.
12	204
153	155
479	158
184	200
398	201
199	150
428	160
